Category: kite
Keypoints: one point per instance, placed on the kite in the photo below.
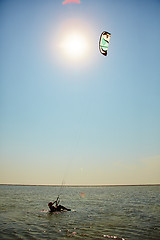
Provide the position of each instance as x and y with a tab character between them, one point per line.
71	1
104	42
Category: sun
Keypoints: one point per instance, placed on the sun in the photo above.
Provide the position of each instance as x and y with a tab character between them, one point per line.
71	43
74	45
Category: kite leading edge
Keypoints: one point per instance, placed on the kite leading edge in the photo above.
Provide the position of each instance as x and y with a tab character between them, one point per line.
104	42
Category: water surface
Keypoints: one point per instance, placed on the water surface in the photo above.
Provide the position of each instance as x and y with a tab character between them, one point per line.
122	212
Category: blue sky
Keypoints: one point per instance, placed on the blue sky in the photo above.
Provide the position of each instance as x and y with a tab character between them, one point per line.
93	120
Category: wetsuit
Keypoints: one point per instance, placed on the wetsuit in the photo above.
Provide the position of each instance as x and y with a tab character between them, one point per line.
58	208
52	208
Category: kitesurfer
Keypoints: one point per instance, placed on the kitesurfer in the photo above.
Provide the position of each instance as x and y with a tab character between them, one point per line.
57	207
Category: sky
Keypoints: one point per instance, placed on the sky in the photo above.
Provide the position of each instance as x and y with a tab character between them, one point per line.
69	114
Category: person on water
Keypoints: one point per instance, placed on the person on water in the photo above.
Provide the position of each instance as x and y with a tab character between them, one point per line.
57	207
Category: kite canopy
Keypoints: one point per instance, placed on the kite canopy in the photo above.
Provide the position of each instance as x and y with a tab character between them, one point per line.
70	1
104	42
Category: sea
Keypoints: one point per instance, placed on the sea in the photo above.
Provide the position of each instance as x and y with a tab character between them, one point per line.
98	212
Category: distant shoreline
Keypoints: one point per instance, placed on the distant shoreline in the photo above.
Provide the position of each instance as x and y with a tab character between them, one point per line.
58	185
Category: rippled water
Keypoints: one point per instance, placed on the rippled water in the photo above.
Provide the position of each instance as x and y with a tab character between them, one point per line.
125	212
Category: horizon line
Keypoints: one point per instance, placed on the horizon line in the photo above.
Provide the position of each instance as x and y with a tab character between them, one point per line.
80	185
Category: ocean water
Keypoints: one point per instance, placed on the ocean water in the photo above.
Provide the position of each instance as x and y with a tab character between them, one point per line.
119	212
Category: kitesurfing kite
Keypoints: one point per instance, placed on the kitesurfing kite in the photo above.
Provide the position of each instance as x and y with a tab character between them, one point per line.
104	42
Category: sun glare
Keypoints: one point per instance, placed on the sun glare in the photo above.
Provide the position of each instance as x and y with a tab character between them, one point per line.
74	45
71	44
